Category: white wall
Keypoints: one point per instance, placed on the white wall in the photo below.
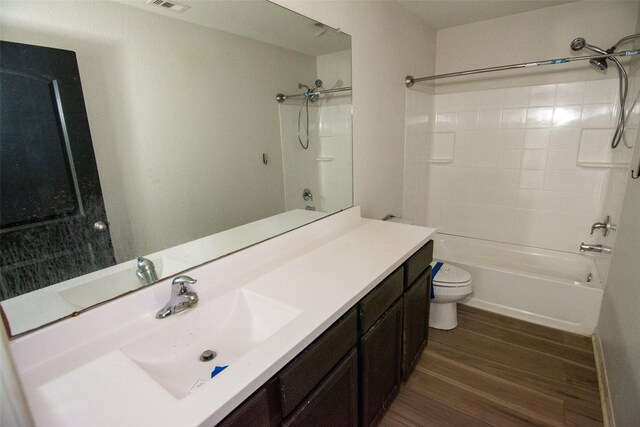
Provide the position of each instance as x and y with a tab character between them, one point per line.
177	131
387	43
334	70
530	36
620	312
419	116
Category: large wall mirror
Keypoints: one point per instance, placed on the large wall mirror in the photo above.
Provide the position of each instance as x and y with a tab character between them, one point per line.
142	138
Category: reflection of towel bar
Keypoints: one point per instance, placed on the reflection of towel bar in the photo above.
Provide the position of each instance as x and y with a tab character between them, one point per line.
325	159
636	174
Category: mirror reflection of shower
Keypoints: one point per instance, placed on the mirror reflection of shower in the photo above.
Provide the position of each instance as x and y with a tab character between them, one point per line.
309	96
315	135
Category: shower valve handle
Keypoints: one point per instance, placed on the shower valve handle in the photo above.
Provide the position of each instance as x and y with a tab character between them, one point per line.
605	226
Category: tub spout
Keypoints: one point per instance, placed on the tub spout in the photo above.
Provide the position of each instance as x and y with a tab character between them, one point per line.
587	247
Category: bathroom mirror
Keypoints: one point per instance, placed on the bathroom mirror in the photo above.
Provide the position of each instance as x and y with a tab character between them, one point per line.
196	157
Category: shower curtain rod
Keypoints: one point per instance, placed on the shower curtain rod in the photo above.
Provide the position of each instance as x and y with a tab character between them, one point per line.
281	97
410	80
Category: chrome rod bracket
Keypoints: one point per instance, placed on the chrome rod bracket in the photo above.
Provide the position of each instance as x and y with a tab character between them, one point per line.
409	81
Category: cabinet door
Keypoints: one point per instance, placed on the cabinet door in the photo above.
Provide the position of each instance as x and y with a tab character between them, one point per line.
416	316
334	403
380	361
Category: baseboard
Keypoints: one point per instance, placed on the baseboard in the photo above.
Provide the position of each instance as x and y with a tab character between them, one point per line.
603	383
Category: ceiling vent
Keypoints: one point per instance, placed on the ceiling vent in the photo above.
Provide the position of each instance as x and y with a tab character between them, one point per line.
176	7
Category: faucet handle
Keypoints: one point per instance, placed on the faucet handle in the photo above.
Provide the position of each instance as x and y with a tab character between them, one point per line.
180	284
183	279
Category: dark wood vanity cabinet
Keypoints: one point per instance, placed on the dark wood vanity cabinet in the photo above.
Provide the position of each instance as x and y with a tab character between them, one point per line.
350	374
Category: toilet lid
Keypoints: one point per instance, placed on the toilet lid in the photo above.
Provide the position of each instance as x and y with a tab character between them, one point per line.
450	275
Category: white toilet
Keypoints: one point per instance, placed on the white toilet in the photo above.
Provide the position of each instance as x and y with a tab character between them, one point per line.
450	285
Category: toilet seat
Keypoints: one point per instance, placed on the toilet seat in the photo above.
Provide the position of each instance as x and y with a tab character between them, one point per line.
450	276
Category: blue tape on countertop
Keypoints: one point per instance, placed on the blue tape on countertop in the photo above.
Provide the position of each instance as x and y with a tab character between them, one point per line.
434	271
218	369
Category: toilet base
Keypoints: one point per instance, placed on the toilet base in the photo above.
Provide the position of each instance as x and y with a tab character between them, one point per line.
443	316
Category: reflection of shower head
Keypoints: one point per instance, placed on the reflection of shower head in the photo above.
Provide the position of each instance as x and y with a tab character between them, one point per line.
317	85
600	63
300	86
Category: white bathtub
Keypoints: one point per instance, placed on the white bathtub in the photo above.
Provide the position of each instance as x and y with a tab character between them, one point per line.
556	289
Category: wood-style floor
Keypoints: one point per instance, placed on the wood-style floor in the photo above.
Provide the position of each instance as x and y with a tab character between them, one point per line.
495	370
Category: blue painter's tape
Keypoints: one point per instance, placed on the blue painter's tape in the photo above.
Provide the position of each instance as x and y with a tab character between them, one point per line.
434	271
218	369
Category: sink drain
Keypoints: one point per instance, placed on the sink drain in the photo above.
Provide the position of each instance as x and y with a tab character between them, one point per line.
207	355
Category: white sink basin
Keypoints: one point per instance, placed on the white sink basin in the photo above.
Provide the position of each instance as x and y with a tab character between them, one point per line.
105	284
230	325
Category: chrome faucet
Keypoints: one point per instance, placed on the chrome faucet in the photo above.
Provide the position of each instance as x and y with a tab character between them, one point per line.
181	297
587	247
146	271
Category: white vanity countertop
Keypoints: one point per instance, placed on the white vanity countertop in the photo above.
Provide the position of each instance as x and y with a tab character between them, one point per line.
74	373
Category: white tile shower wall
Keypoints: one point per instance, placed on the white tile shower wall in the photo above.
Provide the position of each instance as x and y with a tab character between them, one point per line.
325	167
515	175
300	167
336	157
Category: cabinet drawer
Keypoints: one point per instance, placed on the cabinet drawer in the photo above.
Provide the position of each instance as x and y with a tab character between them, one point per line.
301	376
259	410
419	262
335	401
380	299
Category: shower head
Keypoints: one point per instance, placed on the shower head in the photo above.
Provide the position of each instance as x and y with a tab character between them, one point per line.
578	44
600	64
316	85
